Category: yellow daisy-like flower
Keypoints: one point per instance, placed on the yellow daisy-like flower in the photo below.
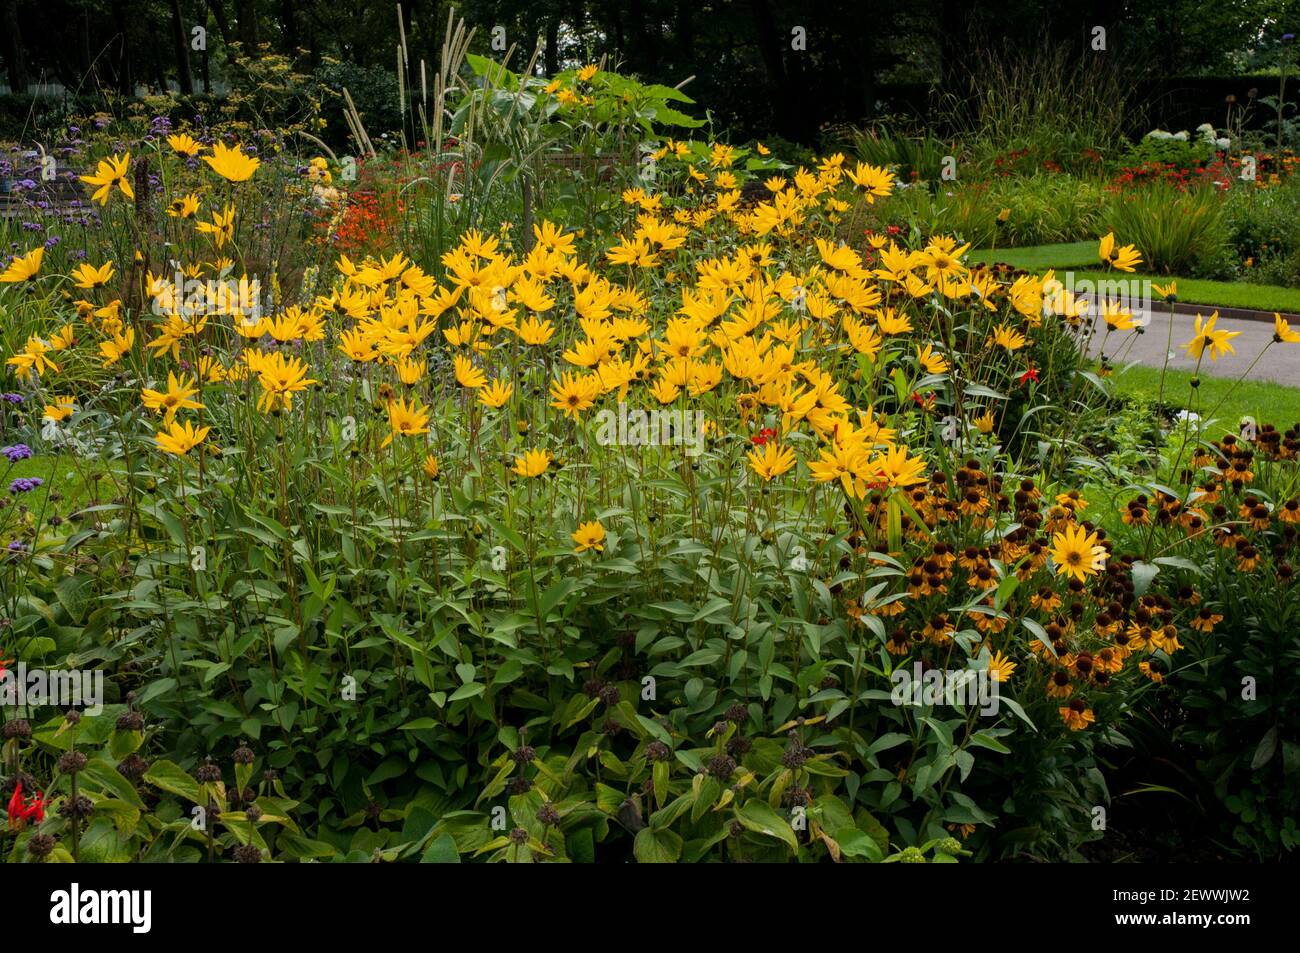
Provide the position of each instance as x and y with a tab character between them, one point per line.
1077	553
108	173
590	535
231	164
24	267
1001	667
1206	337
770	461
180	439
178	396
431	467
467	375
406	420
1283	333
184	145
496	394
533	463
88	276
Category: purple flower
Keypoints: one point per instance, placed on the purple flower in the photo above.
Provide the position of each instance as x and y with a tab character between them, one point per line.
17	546
25	484
19	451
12	398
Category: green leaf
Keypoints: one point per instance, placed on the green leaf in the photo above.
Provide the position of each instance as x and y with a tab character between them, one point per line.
173	779
656	846
757	816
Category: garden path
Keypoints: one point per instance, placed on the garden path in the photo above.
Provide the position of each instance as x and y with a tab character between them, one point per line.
1281	363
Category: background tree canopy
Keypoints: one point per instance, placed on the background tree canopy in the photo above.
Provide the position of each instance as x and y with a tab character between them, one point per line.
777	66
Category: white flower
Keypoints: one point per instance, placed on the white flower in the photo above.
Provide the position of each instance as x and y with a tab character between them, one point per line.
1204	128
1224	143
1181	136
1189	416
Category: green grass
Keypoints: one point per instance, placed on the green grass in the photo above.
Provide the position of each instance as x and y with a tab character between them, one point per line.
1040	257
1266	401
1077	255
1223	294
60	475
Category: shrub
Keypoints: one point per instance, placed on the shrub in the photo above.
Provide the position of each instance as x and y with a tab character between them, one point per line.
1176	231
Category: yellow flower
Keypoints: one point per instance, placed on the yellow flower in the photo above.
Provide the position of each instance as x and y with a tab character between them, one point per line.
1282	332
61	409
933	362
534	331
1206	337
1077	553
221	228
770	461
1166	291
186	206
467	375
280	378
231	163
574	393
533	463
184	145
33	358
1126	258
108	173
406	420
88	276
1001	667
1008	337
587	72
589	536
874	180
180	439
178	396
431	468
496	394
897	469
24	267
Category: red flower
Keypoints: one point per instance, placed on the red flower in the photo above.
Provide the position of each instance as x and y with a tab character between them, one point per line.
1029	375
763	436
20	811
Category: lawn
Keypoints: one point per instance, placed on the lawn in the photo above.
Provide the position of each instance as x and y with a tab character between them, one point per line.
1076	255
1267	402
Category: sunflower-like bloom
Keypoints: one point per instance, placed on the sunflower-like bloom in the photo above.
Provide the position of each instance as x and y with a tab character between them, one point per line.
108	173
770	461
88	276
589	535
406	420
1206	337
280	378
533	463
1077	553
874	180
496	394
23	267
178	396
573	393
184	145
180	438
467	375
1126	258
231	163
